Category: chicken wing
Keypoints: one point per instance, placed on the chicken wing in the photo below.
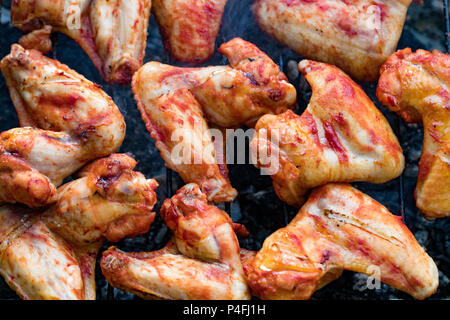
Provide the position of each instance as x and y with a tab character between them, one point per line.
416	86
51	255
340	228
77	122
202	262
341	137
174	101
189	28
357	36
113	33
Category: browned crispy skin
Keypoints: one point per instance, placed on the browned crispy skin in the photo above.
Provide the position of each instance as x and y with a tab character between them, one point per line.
341	137
66	122
52	255
339	228
38	39
113	33
189	27
415	85
357	36
202	261
174	103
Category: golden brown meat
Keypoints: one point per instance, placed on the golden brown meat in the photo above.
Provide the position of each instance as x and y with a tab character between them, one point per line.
202	262
174	101
77	122
416	86
341	137
189	27
340	228
52	255
357	36
112	32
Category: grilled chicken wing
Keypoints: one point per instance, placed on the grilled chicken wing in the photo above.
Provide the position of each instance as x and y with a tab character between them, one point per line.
189	27
341	137
174	101
77	122
357	36
339	228
52	255
113	33
416	86
202	262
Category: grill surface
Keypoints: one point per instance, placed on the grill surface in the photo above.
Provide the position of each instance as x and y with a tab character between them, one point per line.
257	206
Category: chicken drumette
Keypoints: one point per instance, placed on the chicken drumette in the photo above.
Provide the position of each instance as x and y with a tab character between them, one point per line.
52	254
201	262
357	36
66	122
341	137
113	33
339	228
416	86
189	27
174	103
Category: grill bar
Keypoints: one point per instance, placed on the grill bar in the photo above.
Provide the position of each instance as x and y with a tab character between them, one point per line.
169	182
447	25
400	187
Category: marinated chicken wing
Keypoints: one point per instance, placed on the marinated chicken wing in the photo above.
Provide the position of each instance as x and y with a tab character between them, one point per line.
174	102
415	85
341	137
52	255
189	28
357	36
112	32
66	122
340	228
202	262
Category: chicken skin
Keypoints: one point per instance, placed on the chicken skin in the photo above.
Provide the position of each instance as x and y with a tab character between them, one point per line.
357	36
202	261
415	85
113	33
339	228
51	255
189	27
66	122
174	103
341	137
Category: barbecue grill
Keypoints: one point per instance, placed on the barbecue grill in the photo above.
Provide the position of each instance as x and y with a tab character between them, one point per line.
257	206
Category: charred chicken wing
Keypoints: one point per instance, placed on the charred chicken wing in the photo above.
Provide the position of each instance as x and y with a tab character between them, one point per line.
341	137
66	122
339	228
416	86
357	36
174	103
112	32
202	261
51	255
189	27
